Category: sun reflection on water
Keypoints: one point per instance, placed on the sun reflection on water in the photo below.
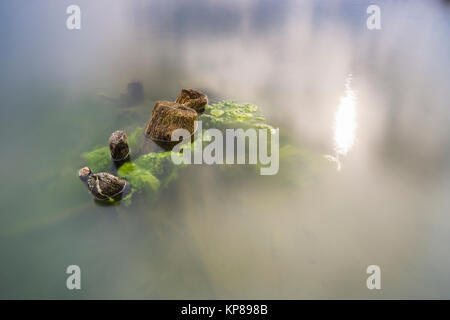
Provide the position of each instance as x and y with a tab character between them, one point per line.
345	124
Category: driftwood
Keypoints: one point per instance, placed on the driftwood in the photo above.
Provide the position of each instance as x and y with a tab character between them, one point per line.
193	99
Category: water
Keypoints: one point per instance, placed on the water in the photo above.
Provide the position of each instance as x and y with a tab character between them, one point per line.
229	232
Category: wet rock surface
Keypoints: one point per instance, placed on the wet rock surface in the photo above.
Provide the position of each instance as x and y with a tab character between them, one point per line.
118	146
193	99
167	117
103	185
151	169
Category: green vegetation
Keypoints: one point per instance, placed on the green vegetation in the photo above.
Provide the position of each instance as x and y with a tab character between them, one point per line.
152	172
98	159
230	114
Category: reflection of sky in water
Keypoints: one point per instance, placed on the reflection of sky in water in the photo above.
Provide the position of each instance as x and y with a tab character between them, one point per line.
387	206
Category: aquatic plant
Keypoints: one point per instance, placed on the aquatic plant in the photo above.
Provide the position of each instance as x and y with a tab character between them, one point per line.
151	172
136	141
98	159
230	114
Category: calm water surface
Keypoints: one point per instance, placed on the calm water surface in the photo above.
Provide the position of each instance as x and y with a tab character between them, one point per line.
375	103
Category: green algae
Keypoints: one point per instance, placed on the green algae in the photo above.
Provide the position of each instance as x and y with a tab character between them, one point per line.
152	172
136	138
139	178
159	164
98	159
230	114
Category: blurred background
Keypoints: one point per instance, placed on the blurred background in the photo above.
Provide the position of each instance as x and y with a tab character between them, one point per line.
220	233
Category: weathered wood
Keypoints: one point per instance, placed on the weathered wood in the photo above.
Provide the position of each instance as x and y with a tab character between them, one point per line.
193	99
167	117
118	146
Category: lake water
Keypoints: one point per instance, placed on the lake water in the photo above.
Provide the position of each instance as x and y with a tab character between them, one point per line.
376	100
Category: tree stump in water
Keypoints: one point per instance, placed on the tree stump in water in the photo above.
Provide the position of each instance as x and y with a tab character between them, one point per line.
134	94
118	146
193	99
102	185
167	117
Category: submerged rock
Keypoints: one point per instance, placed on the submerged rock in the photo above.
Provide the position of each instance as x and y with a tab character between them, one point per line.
193	99
167	117
134	94
103	185
151	170
118	146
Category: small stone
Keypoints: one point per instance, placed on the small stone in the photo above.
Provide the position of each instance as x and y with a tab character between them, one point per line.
167	117
193	99
102	185
118	145
84	174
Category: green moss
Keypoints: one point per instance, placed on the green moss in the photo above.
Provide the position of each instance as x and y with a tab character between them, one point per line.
229	114
136	138
154	171
98	159
217	113
158	163
139	179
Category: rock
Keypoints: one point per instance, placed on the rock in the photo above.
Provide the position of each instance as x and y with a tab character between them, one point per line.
193	99
118	146
84	174
134	94
167	117
102	185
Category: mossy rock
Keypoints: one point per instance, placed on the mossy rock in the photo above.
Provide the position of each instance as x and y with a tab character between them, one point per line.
151	170
167	117
193	99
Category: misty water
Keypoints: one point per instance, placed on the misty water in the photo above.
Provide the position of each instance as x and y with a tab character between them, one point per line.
229	232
